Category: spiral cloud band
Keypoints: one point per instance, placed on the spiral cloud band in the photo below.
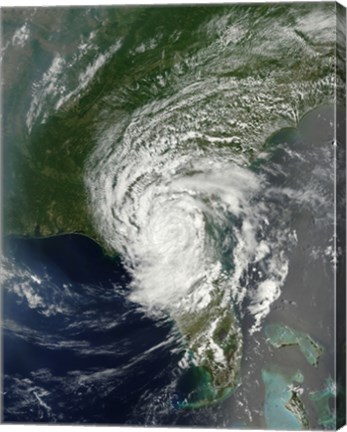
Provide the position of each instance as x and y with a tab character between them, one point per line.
172	190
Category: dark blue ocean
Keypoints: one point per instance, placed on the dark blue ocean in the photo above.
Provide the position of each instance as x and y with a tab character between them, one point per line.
75	349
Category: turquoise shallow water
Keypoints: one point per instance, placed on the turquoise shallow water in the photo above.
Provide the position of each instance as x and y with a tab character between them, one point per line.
277	398
102	334
194	143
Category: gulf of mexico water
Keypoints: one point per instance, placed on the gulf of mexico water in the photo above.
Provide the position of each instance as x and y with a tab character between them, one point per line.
77	349
202	170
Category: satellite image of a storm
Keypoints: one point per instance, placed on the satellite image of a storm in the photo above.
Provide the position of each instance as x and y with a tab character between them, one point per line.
170	177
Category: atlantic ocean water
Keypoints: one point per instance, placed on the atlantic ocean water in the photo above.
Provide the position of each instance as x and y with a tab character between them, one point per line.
196	146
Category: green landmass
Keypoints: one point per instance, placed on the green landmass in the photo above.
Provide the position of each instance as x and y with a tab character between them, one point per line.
215	358
43	186
44	190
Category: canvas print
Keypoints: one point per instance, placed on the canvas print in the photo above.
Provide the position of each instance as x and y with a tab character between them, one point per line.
173	215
